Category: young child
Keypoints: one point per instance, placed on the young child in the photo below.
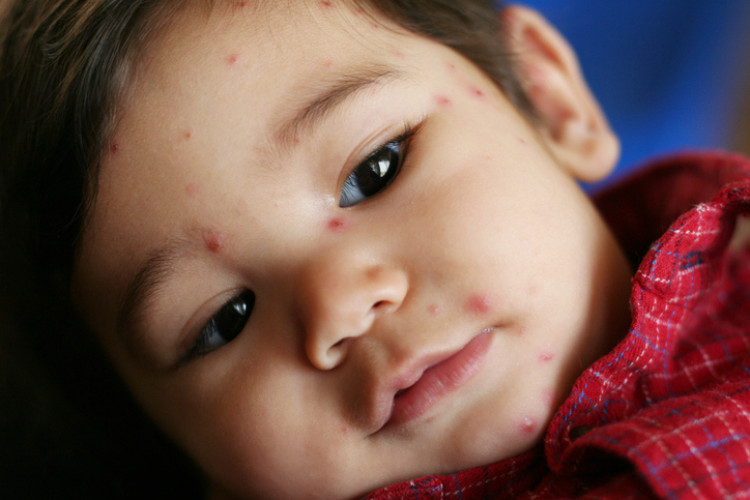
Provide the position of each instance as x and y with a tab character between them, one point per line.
332	246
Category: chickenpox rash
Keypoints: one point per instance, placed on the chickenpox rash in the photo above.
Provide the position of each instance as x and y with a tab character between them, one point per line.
477	93
337	225
478	304
214	241
232	59
548	397
528	425
546	356
443	101
434	310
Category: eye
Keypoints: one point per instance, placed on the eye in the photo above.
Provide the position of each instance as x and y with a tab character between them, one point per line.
375	173
224	326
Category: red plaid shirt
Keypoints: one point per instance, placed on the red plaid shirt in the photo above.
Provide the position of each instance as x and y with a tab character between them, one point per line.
667	412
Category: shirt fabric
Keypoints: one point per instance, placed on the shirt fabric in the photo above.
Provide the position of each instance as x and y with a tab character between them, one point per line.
666	414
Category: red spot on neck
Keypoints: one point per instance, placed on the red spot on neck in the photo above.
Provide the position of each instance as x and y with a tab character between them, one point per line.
478	304
337	225
546	356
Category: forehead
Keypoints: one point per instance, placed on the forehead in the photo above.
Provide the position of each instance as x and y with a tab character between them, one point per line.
182	107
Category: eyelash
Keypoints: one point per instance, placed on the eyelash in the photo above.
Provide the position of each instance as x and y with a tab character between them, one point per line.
374	172
237	311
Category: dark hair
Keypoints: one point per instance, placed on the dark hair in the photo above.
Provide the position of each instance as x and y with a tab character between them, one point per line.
63	67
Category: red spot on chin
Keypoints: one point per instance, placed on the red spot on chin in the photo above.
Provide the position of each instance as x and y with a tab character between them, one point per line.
443	101
478	304
232	58
528	425
214	242
337	224
546	357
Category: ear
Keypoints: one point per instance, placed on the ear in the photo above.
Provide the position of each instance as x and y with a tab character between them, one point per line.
569	118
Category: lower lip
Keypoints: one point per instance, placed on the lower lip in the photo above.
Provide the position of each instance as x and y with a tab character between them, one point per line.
441	379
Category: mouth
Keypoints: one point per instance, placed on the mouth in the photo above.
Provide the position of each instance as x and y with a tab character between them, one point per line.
425	386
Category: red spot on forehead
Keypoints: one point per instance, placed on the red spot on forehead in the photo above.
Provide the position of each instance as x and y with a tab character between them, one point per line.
478	304
443	101
214	241
337	224
476	92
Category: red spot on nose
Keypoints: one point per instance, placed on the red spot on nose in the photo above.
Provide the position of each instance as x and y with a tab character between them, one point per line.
478	304
337	224
443	101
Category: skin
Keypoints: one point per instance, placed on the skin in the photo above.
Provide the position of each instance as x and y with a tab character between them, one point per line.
482	239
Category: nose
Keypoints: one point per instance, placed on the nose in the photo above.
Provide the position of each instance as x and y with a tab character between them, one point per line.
340	299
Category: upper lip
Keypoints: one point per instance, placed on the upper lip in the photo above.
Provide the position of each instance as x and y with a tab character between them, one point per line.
382	397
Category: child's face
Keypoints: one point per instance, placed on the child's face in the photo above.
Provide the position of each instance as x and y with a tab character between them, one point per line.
431	325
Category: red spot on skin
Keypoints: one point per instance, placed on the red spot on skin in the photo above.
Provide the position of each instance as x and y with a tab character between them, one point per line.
187	135
239	5
214	242
325	4
476	92
451	67
114	148
328	64
522	140
546	357
337	225
191	189
443	101
434	310
478	304
528	425
232	58
399	54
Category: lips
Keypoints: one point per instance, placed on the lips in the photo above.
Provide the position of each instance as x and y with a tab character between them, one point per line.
417	390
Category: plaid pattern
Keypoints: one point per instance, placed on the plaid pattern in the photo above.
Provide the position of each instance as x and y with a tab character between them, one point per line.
667	413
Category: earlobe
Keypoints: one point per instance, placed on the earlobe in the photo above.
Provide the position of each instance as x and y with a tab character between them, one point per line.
569	118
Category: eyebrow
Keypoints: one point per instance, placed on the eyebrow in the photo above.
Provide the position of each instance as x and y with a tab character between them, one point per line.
159	268
151	276
329	98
